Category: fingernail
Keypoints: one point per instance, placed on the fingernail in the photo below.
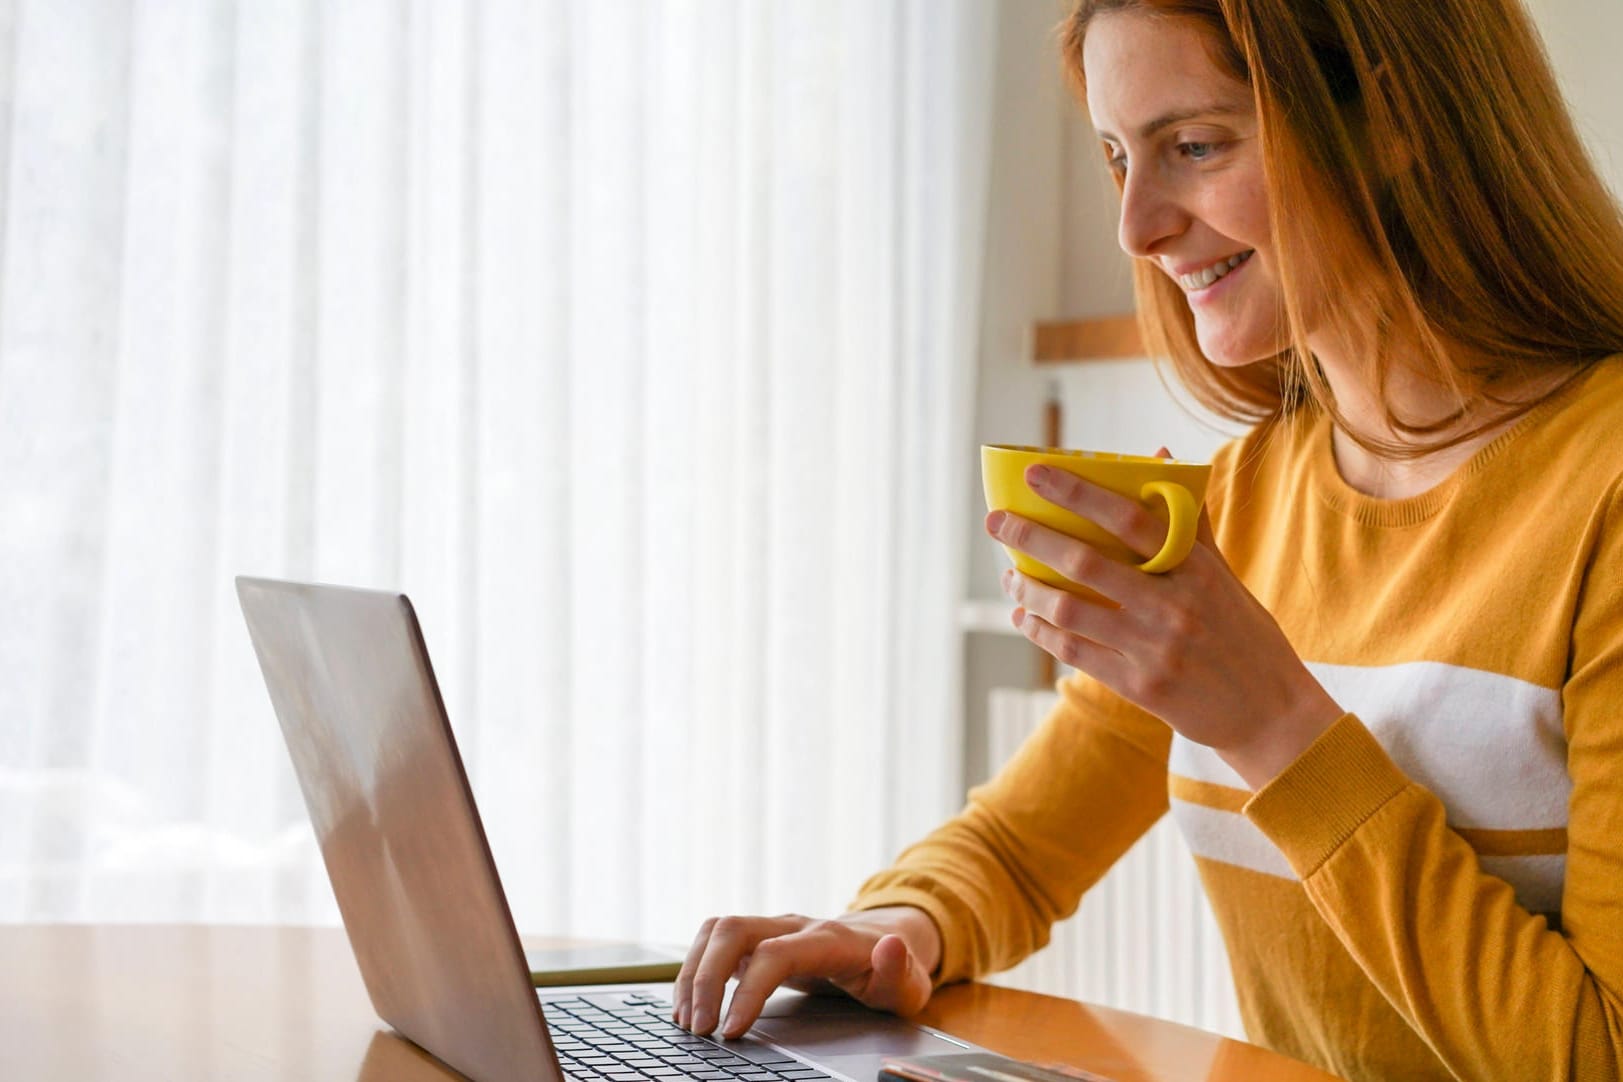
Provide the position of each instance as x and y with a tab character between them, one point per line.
995	521
729	1028
699	1022
1037	475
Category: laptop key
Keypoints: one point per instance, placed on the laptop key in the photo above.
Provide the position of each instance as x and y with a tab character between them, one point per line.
760	1054
615	1037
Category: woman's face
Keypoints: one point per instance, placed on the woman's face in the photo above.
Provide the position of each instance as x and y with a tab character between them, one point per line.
1181	136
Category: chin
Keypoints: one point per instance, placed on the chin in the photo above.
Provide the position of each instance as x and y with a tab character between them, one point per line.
1227	349
1235	343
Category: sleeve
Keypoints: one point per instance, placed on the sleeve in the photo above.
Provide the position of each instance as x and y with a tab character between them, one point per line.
1494	989
1073	799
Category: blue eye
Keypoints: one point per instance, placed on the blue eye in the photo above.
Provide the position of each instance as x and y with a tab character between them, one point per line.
1198	152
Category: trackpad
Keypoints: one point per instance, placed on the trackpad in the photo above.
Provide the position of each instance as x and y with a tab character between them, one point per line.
819	1027
817	1039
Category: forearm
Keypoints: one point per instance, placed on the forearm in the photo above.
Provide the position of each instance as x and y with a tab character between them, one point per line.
995	877
1489	985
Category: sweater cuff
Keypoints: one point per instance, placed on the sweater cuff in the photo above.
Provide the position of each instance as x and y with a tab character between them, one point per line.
953	964
1332	788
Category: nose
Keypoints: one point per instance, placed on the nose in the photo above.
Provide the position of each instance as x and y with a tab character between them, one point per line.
1149	214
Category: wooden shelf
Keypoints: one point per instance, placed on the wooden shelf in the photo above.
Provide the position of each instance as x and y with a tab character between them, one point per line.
1109	338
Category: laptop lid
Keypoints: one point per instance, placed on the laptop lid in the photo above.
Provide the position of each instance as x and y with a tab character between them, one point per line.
350	681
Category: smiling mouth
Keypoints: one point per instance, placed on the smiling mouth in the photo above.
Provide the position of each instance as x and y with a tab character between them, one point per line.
1195	281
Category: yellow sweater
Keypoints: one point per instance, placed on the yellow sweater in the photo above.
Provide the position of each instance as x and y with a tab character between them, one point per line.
1434	889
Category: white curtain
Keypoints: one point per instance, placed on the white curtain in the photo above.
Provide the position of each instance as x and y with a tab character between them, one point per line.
632	338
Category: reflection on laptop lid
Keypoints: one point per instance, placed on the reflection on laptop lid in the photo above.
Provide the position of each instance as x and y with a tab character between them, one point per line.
350	680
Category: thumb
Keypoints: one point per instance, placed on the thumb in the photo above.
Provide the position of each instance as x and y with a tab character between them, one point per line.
898	982
1203	532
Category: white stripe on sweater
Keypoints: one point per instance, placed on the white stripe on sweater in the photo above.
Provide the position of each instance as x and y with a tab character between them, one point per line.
1491	747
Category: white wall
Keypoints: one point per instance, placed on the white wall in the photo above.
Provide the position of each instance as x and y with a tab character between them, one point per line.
1583	38
1024	242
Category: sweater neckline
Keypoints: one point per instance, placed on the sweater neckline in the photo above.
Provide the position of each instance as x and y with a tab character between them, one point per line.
1369	510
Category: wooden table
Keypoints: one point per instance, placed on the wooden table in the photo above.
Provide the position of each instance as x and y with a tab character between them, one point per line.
139	1003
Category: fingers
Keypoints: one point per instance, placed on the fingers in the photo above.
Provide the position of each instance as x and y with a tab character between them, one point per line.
682	992
722	944
767	952
898	982
1101	662
731	938
883	973
812	952
1076	560
1064	610
1137	527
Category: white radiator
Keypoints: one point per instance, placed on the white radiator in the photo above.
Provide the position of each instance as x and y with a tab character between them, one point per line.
1144	939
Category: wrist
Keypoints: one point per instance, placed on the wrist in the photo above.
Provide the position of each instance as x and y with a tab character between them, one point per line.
1279	743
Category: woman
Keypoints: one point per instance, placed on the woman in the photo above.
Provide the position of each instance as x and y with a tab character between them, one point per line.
1384	696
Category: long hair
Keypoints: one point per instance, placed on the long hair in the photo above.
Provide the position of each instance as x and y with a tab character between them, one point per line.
1429	135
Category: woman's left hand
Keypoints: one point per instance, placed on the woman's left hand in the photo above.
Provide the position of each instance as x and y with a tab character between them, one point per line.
1191	646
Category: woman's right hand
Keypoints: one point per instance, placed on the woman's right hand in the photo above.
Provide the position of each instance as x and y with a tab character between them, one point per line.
880	957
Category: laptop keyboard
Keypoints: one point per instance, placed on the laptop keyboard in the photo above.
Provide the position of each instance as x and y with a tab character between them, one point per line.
629	1037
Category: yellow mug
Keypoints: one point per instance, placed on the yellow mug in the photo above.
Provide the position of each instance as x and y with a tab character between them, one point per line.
1172	489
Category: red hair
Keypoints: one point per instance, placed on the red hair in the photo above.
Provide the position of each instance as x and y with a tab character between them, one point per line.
1499	253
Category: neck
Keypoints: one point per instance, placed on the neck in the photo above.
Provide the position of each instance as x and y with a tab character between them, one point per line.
1400	478
1413	398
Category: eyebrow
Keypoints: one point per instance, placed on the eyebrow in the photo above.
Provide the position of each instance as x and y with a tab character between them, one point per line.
1177	116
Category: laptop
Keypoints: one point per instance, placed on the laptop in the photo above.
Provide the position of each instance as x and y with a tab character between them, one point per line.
349	678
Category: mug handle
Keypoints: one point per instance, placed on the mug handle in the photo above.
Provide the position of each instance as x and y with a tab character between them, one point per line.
1183	517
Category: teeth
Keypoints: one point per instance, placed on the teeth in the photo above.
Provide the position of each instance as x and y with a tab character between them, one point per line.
1202	278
